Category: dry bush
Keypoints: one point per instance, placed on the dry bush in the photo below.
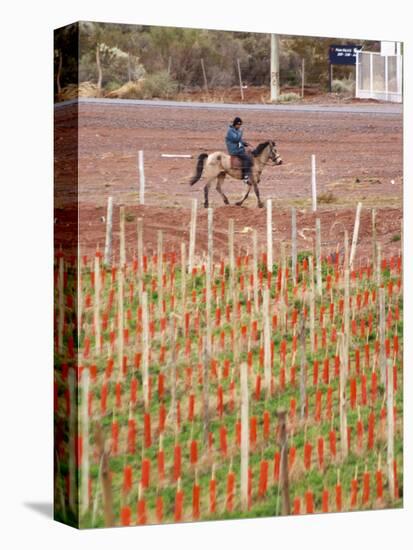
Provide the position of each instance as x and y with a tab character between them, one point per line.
130	90
326	198
85	89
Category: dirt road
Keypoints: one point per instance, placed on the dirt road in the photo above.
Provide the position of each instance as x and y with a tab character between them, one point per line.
359	158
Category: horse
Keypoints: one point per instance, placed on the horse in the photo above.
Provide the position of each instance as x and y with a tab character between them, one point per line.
218	165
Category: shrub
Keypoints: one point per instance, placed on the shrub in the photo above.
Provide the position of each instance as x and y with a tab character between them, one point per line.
326	198
160	85
129	90
345	86
290	96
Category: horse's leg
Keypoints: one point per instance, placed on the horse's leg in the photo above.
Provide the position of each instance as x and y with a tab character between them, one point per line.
239	203
220	181
260	203
206	192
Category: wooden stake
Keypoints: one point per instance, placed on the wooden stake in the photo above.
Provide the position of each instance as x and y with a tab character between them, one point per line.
373	237
347	334
231	245
61	306
85	438
355	235
108	239
245	439
382	335
139	228
318	257
284	282
343	399
294	245
141	178
192	235
72	441
255	270
269	236
96	308
120	322
160	273
205	395
122	238
267	342
208	284
390	429
240	80
79	301
312	302
302	77
313	183
105	478
145	350
378	265
303	375
284	482
204	75
172	337
183	283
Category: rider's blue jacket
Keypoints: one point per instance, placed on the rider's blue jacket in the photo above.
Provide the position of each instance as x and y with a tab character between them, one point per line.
235	144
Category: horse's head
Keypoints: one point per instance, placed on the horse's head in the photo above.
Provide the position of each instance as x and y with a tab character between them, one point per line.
268	150
274	156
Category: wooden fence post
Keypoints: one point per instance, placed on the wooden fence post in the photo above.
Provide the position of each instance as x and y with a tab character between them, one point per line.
255	270
73	486
313	184
120	313
355	235
209	274
140	255
267	342
373	238
183	283
205	394
382	335
294	245
390	429
284	482
269	236
303	374
312	302
108	238
302	77
240	80
318	257
244	435
141	178
343	398
192	235
145	350
122	247
160	272
61	306
204	75
378	265
85	439
105	478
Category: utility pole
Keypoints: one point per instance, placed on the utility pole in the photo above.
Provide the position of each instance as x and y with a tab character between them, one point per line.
275	68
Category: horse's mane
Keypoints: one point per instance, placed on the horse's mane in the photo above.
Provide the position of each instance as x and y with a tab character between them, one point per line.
259	149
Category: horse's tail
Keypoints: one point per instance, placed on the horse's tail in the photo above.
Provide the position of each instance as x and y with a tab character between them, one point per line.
199	168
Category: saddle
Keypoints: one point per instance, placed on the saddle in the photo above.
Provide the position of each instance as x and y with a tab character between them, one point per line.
236	162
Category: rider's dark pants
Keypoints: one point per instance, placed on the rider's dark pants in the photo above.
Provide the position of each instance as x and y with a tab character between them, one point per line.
246	164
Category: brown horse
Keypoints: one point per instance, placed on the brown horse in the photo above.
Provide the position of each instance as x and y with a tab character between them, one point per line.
217	165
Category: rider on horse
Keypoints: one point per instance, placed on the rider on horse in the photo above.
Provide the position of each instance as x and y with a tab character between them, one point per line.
236	147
